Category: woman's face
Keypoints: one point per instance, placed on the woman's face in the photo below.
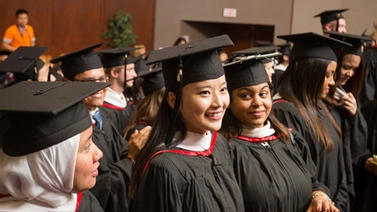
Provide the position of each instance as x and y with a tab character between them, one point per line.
329	80
269	69
203	105
87	162
251	105
348	67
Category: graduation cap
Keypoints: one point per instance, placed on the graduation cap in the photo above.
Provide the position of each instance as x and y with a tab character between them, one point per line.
198	61
5	52
24	63
153	80
189	63
79	61
37	115
356	40
259	50
285	49
262	43
140	64
247	71
116	57
330	15
313	45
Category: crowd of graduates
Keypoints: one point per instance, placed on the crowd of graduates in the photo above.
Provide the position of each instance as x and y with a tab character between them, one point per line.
271	128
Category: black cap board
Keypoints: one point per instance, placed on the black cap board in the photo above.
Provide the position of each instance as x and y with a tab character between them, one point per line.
262	43
285	49
330	15
79	61
245	72
5	52
313	45
46	113
258	50
356	40
140	64
152	81
23	61
116	56
199	60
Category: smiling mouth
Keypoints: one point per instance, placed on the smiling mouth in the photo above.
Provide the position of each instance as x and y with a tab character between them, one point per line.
214	115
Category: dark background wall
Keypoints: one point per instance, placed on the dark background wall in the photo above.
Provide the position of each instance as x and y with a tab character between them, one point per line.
68	25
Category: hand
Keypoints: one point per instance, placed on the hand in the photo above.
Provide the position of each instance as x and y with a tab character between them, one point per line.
349	103
321	202
371	166
137	142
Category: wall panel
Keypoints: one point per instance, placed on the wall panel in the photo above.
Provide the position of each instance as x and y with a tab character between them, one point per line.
67	25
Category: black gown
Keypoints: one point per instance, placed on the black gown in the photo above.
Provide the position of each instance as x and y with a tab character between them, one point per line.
366	182
115	168
274	175
89	203
119	116
331	167
181	180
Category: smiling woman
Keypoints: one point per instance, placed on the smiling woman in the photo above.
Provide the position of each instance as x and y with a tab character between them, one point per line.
266	153
185	165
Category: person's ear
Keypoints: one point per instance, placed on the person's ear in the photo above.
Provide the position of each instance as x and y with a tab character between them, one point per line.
328	27
114	73
171	99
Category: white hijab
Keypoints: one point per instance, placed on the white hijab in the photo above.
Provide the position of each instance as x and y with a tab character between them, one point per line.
41	178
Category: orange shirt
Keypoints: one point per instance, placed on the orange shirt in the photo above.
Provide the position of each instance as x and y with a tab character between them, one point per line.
13	36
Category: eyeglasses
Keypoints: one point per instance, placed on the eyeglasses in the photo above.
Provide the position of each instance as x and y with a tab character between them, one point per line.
101	79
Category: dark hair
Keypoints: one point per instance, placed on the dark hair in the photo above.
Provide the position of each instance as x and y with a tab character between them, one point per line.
156	140
231	126
301	84
146	110
179	40
355	83
21	11
370	58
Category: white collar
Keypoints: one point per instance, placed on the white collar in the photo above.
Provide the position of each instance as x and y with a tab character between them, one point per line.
196	142
115	98
262	132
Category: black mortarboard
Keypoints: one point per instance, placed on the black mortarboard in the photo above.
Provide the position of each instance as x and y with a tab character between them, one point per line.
5	52
258	50
330	15
140	64
79	61
116	57
245	72
38	115
199	60
262	43
313	45
152	81
356	40
285	49
24	62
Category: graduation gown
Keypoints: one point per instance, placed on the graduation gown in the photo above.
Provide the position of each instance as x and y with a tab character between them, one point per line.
89	203
139	126
366	182
119	116
274	175
331	166
182	180
115	168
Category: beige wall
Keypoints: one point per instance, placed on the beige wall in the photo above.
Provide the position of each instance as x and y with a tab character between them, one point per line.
171	13
288	16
